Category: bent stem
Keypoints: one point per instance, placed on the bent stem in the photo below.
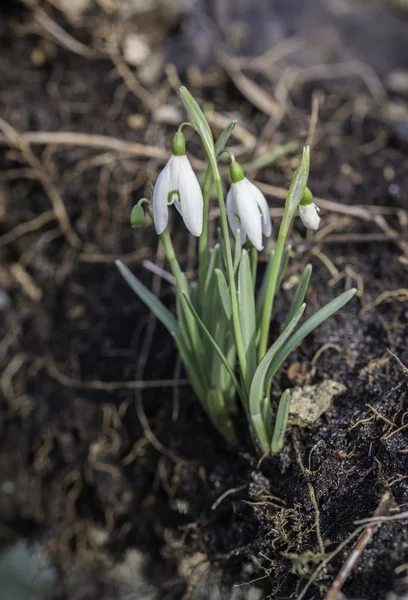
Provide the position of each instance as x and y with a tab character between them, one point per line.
231	276
270	293
203	240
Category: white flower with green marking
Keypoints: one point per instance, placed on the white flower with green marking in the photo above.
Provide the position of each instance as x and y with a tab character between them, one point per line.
308	211
247	209
178	185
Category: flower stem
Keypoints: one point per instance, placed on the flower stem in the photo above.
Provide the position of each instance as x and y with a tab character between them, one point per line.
203	240
270	293
254	265
231	277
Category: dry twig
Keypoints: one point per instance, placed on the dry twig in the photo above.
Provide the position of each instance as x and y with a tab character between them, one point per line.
364	539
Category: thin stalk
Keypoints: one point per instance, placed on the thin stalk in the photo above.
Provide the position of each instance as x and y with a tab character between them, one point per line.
231	276
295	194
181	284
173	262
254	265
270	294
171	256
203	240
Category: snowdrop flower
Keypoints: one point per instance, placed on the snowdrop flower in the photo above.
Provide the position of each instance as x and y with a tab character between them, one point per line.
178	185
308	211
247	208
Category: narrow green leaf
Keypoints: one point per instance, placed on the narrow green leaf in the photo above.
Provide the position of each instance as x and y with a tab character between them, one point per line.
193	293
158	309
209	337
218	413
224	337
258	383
223	139
261	434
224	293
315	320
200	123
247	314
296	190
238	250
283	265
278	438
262	292
193	372
254	268
300	294
267	416
209	301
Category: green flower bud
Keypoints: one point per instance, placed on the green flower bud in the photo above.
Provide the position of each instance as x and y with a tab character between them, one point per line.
236	172
307	198
179	144
137	216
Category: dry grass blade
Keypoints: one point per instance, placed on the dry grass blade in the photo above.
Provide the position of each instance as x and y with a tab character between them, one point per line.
248	88
85	140
27	227
18	142
400	295
106	386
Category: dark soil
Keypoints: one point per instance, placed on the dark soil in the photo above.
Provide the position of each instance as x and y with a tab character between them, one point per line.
94	468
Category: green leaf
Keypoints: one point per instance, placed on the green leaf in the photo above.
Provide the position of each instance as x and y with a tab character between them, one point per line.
256	393
209	301
223	139
218	413
282	268
238	250
261	438
247	314
300	293
262	292
283	265
278	438
296	190
267	416
315	320
193	372
158	309
209	337
193	293
200	123
224	293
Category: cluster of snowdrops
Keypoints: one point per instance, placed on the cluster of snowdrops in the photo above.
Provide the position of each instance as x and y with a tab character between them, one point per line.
222	320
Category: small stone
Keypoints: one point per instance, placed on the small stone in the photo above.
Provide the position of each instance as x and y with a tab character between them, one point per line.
73	9
151	70
135	49
136	121
310	402
170	115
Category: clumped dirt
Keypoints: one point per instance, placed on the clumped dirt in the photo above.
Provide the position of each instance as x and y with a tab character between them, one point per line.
97	469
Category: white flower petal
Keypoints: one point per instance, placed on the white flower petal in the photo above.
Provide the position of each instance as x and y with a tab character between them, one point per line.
248	212
159	200
175	174
309	216
232	214
264	209
190	204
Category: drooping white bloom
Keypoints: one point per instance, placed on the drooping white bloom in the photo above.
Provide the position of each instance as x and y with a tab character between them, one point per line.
309	216
248	211
178	185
